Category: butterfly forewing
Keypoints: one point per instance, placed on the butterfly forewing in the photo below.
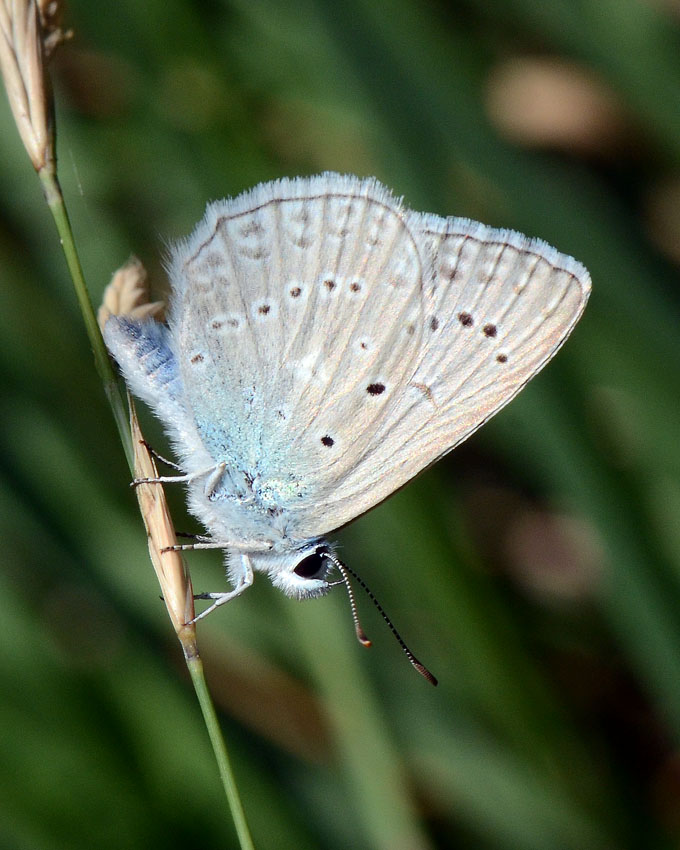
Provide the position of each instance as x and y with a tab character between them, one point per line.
296	306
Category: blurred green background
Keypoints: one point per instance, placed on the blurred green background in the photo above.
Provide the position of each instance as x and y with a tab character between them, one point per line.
536	570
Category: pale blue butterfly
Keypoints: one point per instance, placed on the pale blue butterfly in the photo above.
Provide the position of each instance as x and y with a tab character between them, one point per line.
325	345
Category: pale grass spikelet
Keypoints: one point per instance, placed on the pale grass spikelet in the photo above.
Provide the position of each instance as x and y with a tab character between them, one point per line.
128	295
169	565
22	62
51	12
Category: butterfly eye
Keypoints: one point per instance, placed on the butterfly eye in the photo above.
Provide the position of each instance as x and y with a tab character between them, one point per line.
312	566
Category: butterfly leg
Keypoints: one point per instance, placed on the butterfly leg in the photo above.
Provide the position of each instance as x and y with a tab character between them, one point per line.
243	581
160	457
179	479
240	546
220	477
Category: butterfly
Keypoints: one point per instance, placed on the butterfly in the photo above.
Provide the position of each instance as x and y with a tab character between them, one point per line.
325	344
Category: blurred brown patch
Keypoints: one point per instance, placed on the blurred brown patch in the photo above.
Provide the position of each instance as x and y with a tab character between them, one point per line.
548	102
101	85
267	700
192	98
661	212
326	138
554	555
666	791
670	7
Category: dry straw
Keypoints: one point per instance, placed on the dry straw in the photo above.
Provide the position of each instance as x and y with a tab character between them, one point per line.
128	295
168	564
30	33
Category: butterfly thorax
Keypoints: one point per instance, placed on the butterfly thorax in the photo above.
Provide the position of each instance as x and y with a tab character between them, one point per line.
239	503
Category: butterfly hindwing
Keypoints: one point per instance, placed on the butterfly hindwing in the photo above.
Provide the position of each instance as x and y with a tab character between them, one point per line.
498	307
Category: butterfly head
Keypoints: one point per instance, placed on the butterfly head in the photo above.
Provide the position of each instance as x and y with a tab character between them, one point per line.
303	573
300	573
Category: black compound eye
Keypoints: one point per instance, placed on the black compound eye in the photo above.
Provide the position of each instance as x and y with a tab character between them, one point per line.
312	565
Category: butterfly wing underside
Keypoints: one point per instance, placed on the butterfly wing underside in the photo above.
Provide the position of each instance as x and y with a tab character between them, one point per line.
292	305
499	307
333	344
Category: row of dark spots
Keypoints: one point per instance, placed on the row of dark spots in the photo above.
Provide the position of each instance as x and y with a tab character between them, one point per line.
296	292
216	324
263	309
467	321
330	285
371	389
489	330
